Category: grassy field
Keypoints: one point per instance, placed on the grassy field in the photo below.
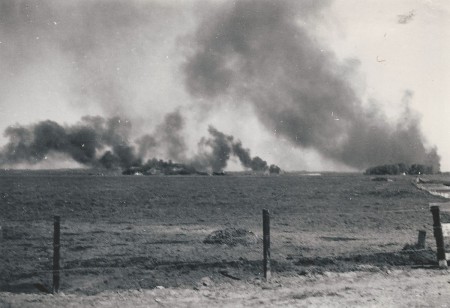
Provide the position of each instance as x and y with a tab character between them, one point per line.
139	232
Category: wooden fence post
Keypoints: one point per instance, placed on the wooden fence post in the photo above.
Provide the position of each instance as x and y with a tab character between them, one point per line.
56	256
421	239
438	235
266	244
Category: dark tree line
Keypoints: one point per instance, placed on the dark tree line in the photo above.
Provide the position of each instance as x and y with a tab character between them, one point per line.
401	168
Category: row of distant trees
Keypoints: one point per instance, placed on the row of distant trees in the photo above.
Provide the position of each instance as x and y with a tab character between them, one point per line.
400	168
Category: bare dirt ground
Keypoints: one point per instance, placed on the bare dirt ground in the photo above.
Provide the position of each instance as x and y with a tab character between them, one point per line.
337	240
393	288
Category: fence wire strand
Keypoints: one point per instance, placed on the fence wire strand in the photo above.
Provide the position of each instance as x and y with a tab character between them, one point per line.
110	245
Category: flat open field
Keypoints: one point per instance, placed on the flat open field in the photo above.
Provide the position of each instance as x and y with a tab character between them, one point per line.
125	233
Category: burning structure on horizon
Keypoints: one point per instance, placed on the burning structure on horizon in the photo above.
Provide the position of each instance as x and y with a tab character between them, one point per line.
100	142
260	54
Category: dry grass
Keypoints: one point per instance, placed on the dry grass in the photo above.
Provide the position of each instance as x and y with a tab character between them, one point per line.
139	232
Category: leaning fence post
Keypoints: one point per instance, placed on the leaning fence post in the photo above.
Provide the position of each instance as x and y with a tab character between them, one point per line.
266	244
438	235
56	246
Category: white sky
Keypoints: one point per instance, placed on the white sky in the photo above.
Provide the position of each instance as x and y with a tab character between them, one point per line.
393	57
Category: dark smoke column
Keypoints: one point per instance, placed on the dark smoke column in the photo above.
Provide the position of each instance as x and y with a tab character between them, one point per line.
261	53
82	142
222	147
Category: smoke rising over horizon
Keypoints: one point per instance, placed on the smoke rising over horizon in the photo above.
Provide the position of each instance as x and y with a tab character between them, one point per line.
98	142
222	147
260	65
260	53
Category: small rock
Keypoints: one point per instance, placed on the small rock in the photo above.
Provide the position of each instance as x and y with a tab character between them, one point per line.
160	287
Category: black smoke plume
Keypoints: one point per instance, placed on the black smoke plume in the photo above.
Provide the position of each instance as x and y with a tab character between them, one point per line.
82	142
222	147
220	151
260	52
100	142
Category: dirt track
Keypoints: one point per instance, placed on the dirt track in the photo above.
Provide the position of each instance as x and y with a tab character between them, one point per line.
399	288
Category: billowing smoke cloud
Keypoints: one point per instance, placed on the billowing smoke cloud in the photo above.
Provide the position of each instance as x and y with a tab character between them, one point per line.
167	139
220	151
117	58
100	142
170	136
92	136
260	52
82	142
221	147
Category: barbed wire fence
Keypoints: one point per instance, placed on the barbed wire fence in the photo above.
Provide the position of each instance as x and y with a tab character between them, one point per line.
127	247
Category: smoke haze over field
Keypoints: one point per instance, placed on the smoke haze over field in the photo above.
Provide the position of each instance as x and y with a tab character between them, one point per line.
267	74
100	142
260	53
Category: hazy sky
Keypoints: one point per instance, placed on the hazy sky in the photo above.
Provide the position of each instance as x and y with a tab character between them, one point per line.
142	59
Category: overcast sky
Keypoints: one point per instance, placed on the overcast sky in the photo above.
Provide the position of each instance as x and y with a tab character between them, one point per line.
142	59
